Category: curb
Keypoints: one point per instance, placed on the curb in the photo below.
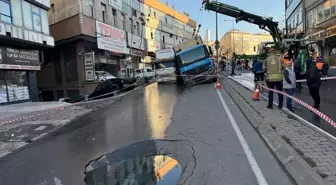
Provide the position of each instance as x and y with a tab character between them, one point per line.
59	129
296	168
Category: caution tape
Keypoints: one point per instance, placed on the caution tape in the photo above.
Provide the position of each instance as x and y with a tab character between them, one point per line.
323	78
304	104
13	120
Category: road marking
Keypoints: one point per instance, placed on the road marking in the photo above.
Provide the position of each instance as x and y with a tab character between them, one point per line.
253	163
40	128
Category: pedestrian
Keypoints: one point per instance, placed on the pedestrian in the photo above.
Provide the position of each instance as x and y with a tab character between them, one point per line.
313	76
289	84
297	71
258	72
273	67
246	64
233	64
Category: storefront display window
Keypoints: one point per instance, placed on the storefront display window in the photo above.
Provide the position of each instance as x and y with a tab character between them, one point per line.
3	88
17	85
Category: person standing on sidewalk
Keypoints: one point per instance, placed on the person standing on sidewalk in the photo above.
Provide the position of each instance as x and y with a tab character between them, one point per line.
273	68
258	72
313	77
289	84
297	71
233	64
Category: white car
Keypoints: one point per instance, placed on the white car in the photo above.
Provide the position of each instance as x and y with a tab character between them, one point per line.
103	75
146	72
165	71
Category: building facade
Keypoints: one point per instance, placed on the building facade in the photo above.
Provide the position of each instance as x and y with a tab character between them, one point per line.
241	43
116	36
295	18
24	35
165	26
321	28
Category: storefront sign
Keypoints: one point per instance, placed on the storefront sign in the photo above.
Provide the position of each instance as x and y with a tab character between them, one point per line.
135	41
137	52
116	4
110	38
11	58
89	62
152	46
331	31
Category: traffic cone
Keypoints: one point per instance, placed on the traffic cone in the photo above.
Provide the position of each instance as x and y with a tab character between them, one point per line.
256	94
218	84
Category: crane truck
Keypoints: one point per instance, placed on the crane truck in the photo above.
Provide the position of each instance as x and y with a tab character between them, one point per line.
265	23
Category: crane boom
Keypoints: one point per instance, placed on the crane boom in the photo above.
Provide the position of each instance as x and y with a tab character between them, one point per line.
265	23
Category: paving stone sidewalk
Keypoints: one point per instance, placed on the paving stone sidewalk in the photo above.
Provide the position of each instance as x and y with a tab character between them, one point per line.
317	149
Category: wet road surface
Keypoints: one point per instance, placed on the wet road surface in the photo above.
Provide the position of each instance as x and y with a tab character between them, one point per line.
155	112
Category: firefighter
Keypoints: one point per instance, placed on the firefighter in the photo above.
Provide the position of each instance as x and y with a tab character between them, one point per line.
322	66
273	67
313	76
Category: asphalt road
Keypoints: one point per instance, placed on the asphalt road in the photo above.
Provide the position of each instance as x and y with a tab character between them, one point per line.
196	115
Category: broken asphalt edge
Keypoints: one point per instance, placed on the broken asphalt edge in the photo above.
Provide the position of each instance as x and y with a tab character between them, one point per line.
59	129
293	164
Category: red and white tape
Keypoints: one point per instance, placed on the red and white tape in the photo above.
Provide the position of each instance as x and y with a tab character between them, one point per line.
323	78
304	104
37	114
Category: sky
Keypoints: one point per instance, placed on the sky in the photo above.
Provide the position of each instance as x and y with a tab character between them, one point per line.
207	19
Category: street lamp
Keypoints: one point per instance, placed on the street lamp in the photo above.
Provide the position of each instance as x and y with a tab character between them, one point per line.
233	38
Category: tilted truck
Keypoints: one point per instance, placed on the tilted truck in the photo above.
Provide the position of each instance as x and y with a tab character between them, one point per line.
193	62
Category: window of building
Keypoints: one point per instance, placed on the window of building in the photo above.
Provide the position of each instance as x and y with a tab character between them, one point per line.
154	14
131	25
333	8
114	14
163	39
123	21
152	37
327	10
320	13
103	9
90	3
134	13
138	28
166	20
5	11
17	85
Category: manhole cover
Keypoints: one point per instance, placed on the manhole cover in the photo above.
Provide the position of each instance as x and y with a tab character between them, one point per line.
159	169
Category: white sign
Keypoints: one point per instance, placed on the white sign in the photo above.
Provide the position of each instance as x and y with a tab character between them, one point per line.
116	4
110	38
89	63
164	54
152	46
135	41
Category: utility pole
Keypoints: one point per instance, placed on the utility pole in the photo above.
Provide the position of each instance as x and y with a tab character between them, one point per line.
217	42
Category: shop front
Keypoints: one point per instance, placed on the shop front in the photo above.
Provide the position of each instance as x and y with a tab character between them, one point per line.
18	75
330	42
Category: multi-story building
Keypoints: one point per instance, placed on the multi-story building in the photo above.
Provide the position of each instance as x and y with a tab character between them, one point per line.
241	43
165	26
24	34
294	18
105	35
321	28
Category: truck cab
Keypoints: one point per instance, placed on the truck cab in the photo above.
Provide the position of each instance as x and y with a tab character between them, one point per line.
194	64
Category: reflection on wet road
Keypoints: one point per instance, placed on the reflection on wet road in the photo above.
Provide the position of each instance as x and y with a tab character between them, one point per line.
60	158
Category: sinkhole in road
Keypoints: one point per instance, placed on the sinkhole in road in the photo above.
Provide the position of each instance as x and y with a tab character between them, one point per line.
149	170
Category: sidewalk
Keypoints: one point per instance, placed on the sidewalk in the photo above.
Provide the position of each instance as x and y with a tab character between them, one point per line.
317	149
20	133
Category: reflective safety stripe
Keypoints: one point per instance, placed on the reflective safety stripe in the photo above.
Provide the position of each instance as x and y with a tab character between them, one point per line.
319	65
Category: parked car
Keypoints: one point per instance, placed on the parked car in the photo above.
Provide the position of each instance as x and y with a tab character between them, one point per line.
105	88
104	75
147	72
